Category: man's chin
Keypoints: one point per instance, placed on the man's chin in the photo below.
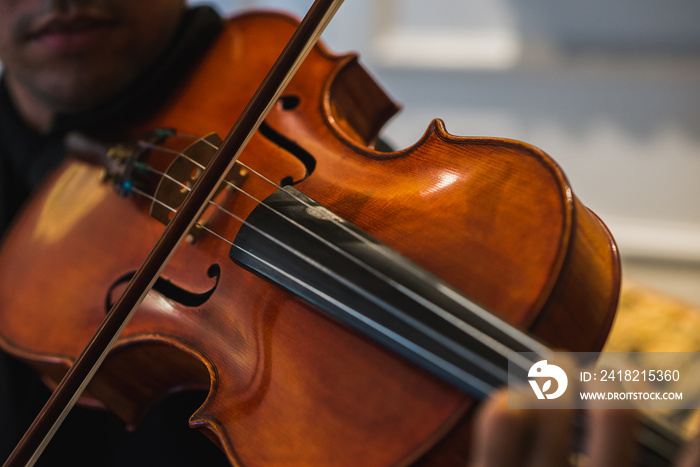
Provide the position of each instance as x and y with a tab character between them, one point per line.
68	96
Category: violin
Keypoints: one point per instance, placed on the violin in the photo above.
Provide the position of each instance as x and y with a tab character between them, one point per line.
340	304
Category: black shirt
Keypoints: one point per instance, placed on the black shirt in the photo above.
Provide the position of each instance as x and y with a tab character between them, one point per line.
88	436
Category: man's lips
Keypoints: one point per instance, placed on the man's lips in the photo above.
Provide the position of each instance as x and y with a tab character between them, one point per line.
70	34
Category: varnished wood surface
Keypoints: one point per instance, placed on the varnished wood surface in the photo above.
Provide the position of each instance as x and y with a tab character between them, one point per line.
493	217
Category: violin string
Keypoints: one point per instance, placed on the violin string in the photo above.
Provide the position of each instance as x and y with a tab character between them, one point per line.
473	332
476	382
152	198
523	364
503	350
477	334
150	145
523	339
527	342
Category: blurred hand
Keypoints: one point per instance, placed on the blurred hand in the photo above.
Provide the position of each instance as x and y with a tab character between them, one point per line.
543	438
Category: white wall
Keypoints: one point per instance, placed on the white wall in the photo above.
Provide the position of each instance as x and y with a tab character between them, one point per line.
611	90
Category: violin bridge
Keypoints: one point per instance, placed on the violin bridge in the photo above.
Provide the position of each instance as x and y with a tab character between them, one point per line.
181	175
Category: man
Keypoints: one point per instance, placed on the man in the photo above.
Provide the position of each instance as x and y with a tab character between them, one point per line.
93	65
68	57
89	65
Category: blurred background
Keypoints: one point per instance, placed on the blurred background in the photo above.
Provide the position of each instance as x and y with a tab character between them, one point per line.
609	89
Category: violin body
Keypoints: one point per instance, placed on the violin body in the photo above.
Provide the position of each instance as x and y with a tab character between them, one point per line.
494	218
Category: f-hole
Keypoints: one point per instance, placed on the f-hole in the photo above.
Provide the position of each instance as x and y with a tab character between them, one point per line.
289	103
170	290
